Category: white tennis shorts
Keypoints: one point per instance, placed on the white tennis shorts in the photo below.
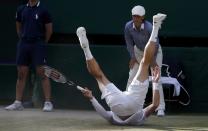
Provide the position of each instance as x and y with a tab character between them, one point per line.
128	102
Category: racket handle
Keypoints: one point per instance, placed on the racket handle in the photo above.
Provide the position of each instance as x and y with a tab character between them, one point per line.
80	88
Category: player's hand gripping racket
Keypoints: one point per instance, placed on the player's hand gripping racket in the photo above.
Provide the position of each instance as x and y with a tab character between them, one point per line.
57	76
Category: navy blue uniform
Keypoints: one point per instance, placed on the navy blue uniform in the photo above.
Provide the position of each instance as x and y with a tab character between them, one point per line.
31	48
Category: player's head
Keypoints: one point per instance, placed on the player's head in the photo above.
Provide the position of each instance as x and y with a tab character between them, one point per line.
138	14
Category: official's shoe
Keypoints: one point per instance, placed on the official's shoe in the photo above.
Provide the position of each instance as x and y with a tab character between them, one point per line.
15	106
160	113
48	106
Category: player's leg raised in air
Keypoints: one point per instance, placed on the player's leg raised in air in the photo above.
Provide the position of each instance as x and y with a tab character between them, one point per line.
92	65
143	73
110	92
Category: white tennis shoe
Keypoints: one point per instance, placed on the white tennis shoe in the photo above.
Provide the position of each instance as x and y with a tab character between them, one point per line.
160	113
158	19
15	106
81	33
48	106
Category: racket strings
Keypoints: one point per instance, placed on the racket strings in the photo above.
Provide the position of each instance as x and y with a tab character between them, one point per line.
54	74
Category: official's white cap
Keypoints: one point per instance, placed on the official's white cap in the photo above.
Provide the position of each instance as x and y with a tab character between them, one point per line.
138	10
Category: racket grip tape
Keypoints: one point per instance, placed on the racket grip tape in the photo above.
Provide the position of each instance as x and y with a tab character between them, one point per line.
80	88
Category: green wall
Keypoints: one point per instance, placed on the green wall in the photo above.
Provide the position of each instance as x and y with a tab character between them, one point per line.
114	62
70	60
8	31
185	17
106	17
7	82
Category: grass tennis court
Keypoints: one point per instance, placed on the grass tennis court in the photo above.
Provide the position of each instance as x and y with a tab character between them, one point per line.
72	120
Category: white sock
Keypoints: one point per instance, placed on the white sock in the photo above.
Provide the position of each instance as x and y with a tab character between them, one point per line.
154	34
88	54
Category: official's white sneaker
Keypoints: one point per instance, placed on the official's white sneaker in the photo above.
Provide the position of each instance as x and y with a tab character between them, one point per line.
160	113
158	19
48	106
81	33
15	106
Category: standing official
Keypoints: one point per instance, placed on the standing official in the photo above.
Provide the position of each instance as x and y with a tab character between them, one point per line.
137	33
34	28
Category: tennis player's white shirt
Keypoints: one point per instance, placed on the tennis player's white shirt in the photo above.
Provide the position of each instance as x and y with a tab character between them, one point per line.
128	103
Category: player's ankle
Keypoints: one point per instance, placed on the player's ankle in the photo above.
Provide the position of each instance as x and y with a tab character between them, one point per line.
88	54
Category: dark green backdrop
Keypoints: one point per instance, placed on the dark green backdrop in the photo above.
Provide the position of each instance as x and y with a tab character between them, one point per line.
185	17
114	62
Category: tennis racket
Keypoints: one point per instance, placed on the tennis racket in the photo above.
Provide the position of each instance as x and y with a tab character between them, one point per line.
57	76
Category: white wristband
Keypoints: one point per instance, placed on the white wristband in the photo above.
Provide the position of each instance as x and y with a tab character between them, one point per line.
155	86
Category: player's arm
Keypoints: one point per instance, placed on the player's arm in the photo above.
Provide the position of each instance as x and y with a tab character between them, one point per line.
99	108
156	96
49	31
